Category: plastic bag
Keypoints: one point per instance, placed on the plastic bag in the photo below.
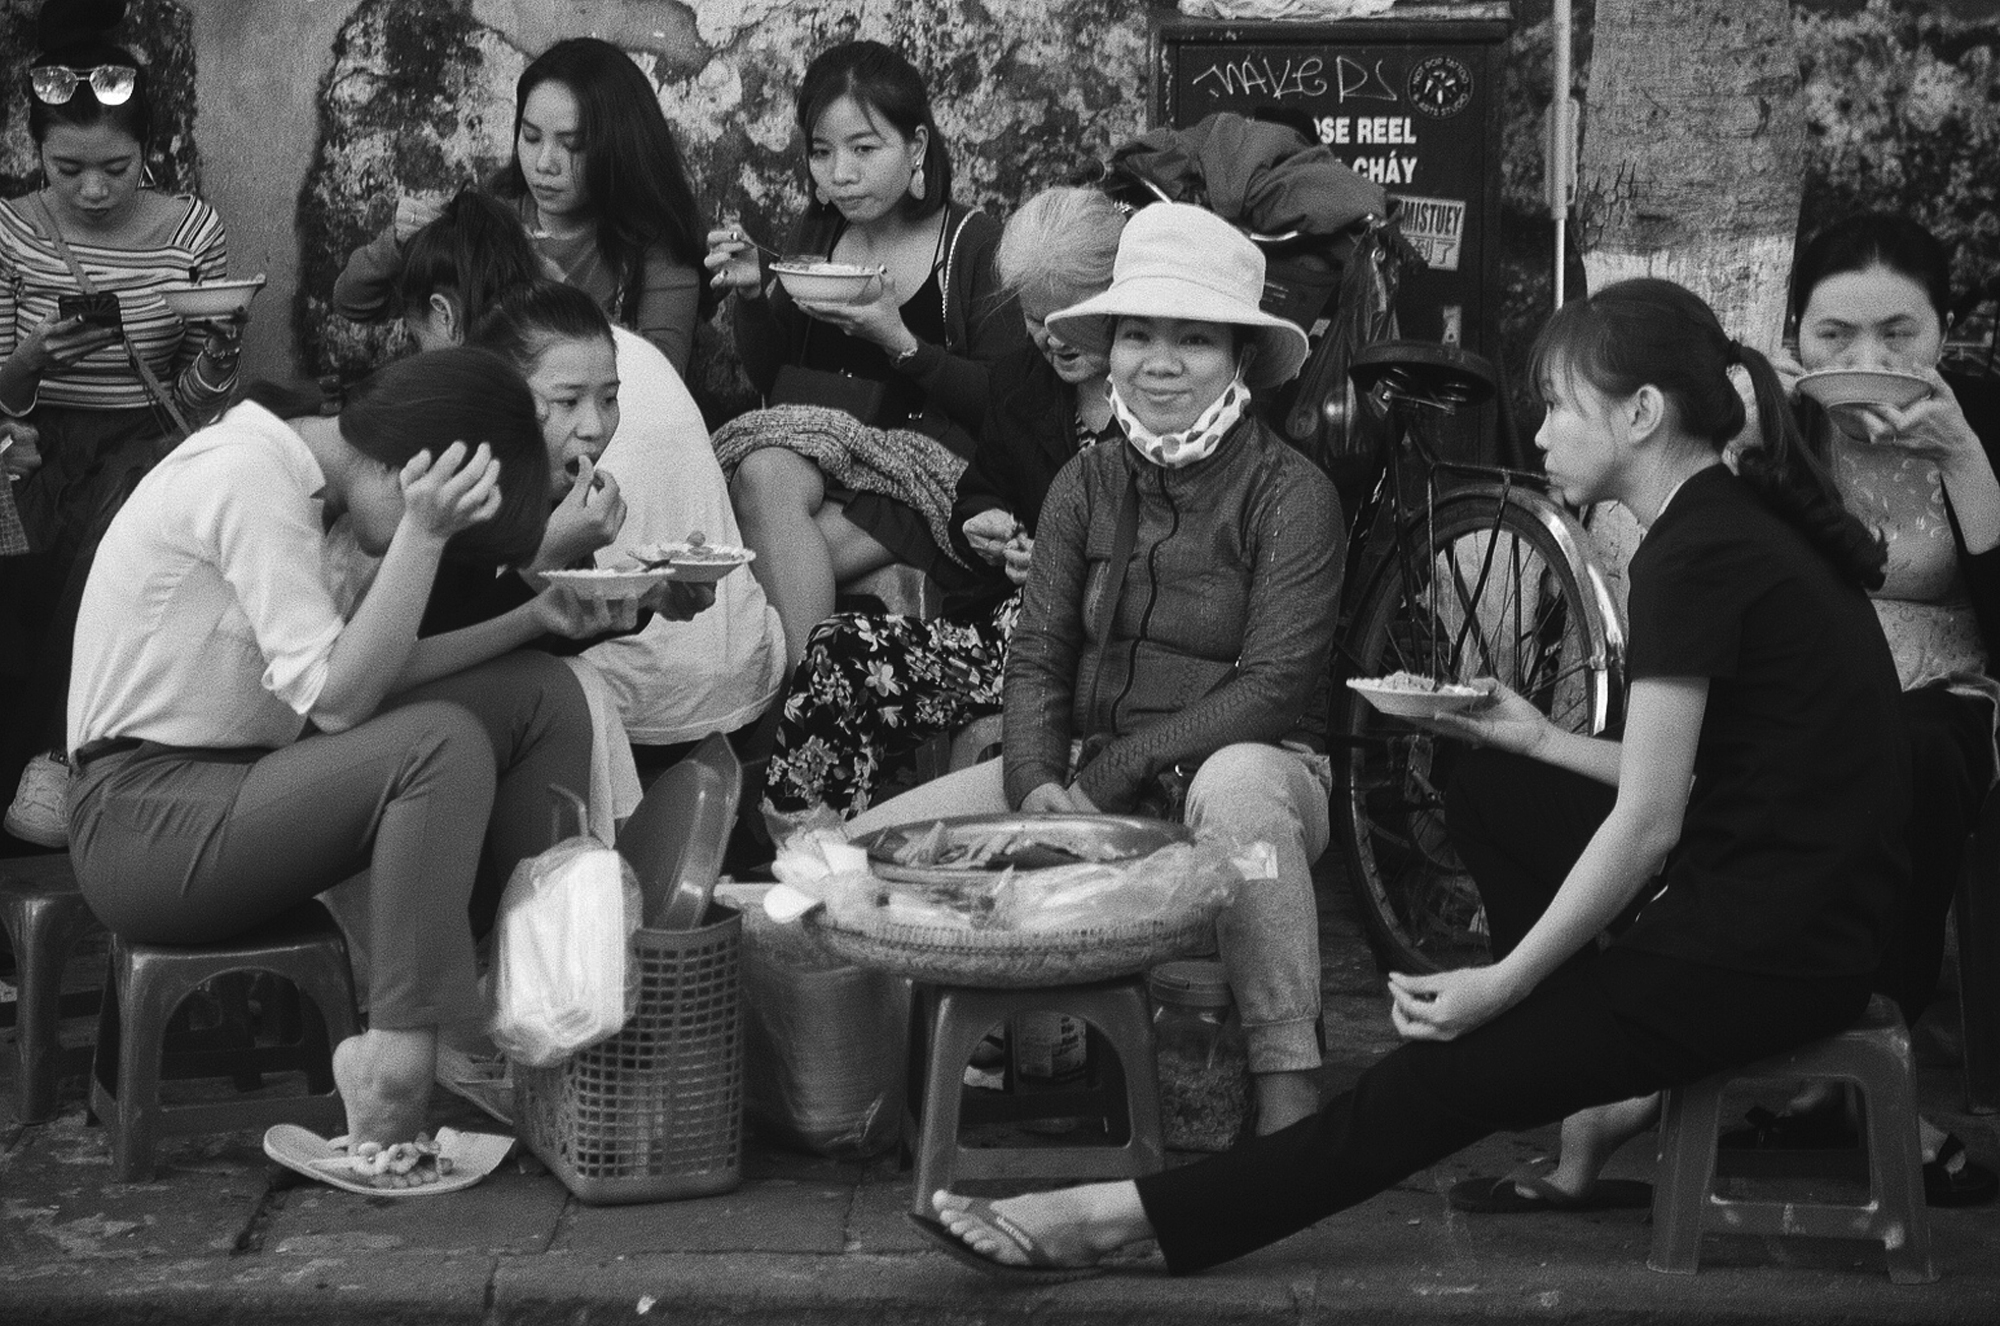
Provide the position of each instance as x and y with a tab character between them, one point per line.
563	977
1178	879
825	1044
1314	11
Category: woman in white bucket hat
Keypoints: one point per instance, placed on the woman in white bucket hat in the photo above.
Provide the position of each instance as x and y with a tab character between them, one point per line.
1179	616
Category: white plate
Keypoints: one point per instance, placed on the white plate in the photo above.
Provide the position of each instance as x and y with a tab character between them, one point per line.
1401	703
716	561
618	583
828	282
1864	386
212	299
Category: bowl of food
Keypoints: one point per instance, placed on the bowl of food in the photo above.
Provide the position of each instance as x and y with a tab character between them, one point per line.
609	583
1838	387
815	282
212	299
1407	695
694	559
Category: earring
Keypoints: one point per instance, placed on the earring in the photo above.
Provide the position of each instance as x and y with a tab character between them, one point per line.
917	184
146	180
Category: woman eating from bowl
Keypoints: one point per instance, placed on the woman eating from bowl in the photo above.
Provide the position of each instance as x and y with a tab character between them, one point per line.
1179	615
1762	768
873	687
825	495
1869	293
242	744
106	376
598	180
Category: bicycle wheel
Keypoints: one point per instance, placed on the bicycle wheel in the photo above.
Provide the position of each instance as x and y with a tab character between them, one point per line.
1488	584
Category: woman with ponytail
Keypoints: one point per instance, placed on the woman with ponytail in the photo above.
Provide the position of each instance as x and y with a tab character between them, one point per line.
1752	814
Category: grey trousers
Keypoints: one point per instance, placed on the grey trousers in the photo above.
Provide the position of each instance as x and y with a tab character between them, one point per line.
179	846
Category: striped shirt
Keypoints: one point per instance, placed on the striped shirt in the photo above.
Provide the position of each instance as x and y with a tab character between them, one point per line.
33	276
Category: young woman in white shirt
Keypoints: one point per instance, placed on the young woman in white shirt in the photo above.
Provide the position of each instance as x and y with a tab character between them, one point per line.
240	747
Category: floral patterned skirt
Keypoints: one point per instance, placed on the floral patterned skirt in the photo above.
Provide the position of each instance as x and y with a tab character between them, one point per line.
874	687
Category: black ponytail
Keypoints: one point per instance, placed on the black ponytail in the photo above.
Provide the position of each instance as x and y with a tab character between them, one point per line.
1650	331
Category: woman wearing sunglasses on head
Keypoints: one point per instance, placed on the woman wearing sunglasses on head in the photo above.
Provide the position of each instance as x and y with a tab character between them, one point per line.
90	356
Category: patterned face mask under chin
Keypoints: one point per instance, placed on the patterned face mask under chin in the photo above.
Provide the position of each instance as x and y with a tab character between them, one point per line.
1173	450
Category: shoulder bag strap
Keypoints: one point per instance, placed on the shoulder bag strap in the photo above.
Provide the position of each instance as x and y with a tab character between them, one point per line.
161	398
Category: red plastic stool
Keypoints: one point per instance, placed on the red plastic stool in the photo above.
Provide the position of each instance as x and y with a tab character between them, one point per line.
951	1020
45	916
1873	1055
147	982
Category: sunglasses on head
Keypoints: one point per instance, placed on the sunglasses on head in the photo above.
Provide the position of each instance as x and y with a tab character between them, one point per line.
111	84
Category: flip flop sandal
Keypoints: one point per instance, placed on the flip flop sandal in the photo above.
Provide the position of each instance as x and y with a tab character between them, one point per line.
1503	1196
469	1157
1042	1269
1954	1179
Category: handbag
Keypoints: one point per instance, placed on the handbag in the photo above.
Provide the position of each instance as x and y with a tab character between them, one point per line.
796	384
175	424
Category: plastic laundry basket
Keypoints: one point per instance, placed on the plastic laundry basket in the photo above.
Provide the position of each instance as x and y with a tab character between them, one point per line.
656	1112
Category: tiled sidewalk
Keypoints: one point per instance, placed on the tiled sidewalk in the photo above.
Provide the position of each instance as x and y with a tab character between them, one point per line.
221	1236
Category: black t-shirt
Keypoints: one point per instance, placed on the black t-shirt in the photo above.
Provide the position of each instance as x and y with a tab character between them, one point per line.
1791	853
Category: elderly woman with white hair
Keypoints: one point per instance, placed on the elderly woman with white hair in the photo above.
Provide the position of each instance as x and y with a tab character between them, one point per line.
873	687
1179	616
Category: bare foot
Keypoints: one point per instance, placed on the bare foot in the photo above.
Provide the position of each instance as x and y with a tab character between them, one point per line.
1591	1137
1074	1226
384	1078
1284	1098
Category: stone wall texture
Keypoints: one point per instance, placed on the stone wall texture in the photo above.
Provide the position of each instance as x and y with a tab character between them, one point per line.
419	98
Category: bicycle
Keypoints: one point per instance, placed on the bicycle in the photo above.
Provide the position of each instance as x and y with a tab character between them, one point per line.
1454	570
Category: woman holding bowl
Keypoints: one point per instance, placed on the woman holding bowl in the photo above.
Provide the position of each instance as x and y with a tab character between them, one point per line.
825	496
107	389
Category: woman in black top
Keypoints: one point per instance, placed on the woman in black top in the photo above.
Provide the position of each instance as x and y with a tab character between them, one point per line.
825	497
1781	847
1870	292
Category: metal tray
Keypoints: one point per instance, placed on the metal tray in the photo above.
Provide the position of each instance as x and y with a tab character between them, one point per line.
1118	838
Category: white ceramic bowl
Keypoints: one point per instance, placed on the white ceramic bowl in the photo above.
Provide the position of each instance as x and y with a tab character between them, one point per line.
1402	702
212	299
1835	387
612	583
828	282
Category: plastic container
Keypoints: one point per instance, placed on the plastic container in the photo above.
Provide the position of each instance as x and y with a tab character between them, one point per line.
1204	1060
656	1112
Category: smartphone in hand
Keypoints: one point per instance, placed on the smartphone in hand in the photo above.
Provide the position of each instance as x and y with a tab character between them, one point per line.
98	310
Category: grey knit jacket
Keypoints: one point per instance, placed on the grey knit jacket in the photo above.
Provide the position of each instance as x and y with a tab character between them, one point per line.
1222	633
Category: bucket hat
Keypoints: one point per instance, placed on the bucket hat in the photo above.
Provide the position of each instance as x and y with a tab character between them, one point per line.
1179	261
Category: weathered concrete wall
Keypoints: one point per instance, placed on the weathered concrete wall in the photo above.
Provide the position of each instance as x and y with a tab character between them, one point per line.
419	98
301	139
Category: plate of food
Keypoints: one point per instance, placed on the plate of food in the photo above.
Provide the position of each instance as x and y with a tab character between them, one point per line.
610	582
212	299
967	846
1835	387
820	282
694	558
1407	695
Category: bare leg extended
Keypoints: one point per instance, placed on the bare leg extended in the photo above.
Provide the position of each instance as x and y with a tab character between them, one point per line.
777	495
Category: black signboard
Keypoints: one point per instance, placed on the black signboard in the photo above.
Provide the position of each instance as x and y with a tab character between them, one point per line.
1413	105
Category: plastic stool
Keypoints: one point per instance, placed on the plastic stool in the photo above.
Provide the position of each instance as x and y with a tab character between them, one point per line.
953	1018
147	982
44	915
1874	1056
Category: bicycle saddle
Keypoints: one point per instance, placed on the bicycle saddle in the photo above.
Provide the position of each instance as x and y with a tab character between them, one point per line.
1442	377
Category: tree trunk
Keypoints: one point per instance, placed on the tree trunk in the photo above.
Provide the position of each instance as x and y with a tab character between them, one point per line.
1692	169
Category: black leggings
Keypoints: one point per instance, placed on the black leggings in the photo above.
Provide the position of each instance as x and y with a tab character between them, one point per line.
1606	1026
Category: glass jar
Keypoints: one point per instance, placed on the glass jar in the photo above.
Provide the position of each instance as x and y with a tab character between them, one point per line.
1203	1058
